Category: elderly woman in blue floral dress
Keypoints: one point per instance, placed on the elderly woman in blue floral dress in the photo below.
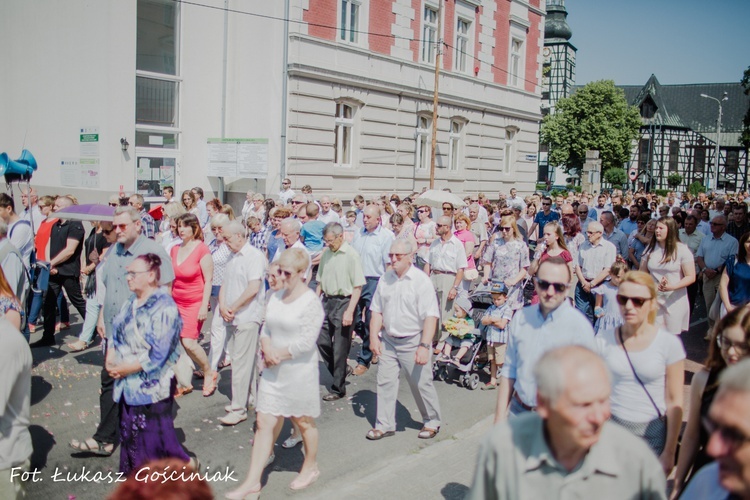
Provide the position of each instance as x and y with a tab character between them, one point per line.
144	349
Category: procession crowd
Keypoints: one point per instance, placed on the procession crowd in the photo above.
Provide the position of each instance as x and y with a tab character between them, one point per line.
573	304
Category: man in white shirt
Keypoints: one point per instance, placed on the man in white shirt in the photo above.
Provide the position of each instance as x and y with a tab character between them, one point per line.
595	257
405	304
445	267
241	306
326	214
20	232
286	194
31	212
514	199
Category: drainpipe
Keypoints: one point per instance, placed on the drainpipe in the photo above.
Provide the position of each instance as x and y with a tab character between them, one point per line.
284	78
224	90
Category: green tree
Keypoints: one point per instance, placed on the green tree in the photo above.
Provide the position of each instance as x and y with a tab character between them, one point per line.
596	117
674	180
745	136
617	177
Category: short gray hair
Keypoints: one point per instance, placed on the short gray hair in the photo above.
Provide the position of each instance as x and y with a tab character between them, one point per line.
735	378
402	245
550	370
219	220
233	227
130	211
333	228
292	224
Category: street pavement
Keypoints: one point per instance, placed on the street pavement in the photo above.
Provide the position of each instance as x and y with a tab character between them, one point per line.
65	406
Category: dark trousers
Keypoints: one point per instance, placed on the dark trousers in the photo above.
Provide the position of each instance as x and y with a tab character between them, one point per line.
54	289
585	302
108	431
692	291
335	340
363	329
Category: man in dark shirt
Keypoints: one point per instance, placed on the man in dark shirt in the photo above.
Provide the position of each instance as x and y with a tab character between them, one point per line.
65	245
739	224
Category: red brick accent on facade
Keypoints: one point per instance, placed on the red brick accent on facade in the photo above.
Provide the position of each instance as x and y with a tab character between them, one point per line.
322	13
502	43
532	51
416	26
381	20
477	46
449	34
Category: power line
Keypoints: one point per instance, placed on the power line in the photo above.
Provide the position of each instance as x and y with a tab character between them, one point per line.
335	28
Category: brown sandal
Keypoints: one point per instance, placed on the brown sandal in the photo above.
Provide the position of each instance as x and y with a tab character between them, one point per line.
209	384
376	434
427	433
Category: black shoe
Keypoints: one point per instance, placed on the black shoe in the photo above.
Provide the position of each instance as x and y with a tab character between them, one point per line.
332	396
43	343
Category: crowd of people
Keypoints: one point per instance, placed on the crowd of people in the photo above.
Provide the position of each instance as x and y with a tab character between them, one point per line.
582	288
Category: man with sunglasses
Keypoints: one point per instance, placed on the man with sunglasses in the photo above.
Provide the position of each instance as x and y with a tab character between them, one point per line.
711	258
728	426
286	194
583	215
535	330
543	217
595	257
131	243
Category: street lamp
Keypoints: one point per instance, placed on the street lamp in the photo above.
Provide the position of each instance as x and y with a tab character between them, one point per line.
725	97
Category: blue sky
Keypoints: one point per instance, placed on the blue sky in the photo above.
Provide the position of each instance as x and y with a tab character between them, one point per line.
680	41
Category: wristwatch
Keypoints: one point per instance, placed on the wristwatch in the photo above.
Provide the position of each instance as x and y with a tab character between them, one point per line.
425	345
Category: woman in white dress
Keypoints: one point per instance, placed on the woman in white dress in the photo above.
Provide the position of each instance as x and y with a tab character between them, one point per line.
672	266
647	366
289	385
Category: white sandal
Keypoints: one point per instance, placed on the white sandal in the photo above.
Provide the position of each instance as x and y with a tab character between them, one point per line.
291	442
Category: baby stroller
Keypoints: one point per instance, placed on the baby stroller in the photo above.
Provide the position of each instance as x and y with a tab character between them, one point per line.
466	371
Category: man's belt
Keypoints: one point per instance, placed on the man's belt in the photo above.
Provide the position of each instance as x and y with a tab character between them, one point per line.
523	405
436	271
329	296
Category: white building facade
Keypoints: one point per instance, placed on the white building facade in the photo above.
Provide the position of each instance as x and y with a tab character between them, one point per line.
338	97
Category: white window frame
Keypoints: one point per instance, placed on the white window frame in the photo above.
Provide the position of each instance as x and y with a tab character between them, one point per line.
342	140
428	50
516	67
345	29
423	147
464	53
455	144
509	149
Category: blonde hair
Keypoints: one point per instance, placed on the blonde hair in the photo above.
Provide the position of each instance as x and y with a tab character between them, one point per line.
511	221
644	279
295	258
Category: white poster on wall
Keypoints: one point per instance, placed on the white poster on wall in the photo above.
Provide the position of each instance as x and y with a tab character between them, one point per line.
247	158
90	173
70	172
89	141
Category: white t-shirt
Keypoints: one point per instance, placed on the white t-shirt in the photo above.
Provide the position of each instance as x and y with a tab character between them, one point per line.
629	400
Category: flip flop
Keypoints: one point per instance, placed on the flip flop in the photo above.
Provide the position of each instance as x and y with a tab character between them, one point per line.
84	447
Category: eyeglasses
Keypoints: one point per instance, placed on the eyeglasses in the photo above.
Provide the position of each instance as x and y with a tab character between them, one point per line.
122	227
447	208
725	344
297	202
544	285
637	301
732	437
286	183
398	256
506	229
442	225
132	274
593	232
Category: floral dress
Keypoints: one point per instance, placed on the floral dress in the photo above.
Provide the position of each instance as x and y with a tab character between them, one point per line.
507	258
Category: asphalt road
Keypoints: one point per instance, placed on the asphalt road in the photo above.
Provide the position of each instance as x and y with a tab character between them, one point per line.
65	406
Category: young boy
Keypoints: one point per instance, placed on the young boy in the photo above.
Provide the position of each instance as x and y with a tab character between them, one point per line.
496	319
460	329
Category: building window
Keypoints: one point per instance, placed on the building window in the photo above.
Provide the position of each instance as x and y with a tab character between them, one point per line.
644	150
343	135
423	151
454	140
429	34
516	62
349	31
699	163
157	95
732	162
508	151
674	155
463	54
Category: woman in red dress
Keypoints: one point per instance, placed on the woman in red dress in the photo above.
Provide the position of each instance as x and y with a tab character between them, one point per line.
191	290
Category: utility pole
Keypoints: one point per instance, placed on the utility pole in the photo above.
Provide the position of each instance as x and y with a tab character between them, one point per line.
438	53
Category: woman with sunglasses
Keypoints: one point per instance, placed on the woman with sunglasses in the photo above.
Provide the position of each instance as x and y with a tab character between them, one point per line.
141	358
672	265
425	232
730	343
507	260
191	290
97	244
289	383
646	363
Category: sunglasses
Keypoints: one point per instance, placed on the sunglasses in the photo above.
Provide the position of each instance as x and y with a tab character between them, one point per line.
583	213
546	204
423	211
544	285
121	227
637	301
506	229
733	437
107	232
442	225
112	204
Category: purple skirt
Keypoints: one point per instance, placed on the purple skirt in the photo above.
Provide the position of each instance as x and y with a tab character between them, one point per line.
147	433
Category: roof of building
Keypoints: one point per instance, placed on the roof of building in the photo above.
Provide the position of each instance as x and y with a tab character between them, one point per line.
683	106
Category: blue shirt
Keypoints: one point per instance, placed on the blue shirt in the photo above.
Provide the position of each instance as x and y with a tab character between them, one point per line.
716	251
312	235
373	248
627	226
619	240
530	336
542	219
150	334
